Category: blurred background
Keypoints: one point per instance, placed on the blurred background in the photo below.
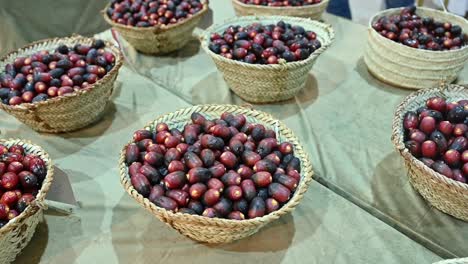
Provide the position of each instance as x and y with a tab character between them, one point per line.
24	21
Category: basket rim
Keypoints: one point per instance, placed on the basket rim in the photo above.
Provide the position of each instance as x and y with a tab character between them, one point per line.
307	174
285	8
153	29
329	38
400	45
40	197
106	78
397	138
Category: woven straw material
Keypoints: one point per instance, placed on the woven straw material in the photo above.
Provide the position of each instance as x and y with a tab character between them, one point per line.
453	261
72	111
267	83
217	230
407	67
15	235
445	194
309	11
159	39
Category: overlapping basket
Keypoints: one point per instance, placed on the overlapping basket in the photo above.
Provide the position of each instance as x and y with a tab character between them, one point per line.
308	11
267	83
158	39
17	233
217	230
445	194
72	111
400	65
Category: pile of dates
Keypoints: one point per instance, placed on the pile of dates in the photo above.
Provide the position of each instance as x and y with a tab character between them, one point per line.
437	135
224	168
45	74
420	32
281	2
21	177
148	13
265	44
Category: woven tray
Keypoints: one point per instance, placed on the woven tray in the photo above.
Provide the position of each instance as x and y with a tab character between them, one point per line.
310	11
160	39
445	194
403	66
15	235
267	83
72	111
453	261
217	230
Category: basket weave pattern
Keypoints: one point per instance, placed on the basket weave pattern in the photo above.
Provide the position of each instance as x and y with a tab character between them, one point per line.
453	261
309	11
158	40
217	230
18	232
445	194
403	66
69	112
267	83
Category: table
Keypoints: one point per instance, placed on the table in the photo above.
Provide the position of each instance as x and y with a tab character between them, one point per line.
354	212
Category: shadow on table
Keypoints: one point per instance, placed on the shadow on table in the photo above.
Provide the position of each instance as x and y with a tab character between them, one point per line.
114	119
33	252
139	237
406	210
361	68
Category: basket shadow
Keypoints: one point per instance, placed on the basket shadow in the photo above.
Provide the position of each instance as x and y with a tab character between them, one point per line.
392	192
276	238
361	69
33	252
115	118
139	237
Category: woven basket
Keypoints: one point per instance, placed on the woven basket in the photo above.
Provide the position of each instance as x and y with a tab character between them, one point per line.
15	235
453	261
309	11
217	230
267	83
159	39
400	65
72	111
445	194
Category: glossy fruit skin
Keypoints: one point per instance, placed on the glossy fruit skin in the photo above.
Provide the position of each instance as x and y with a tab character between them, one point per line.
131	154
181	197
257	208
262	179
156	191
211	197
197	190
410	120
210	213
429	149
215	184
442	168
198	174
279	192
236	215
196	206
166	203
141	184
151	174
223	207
271	205
234	193
231	178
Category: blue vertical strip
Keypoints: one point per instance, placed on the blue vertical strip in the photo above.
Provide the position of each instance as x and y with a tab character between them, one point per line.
339	8
398	3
